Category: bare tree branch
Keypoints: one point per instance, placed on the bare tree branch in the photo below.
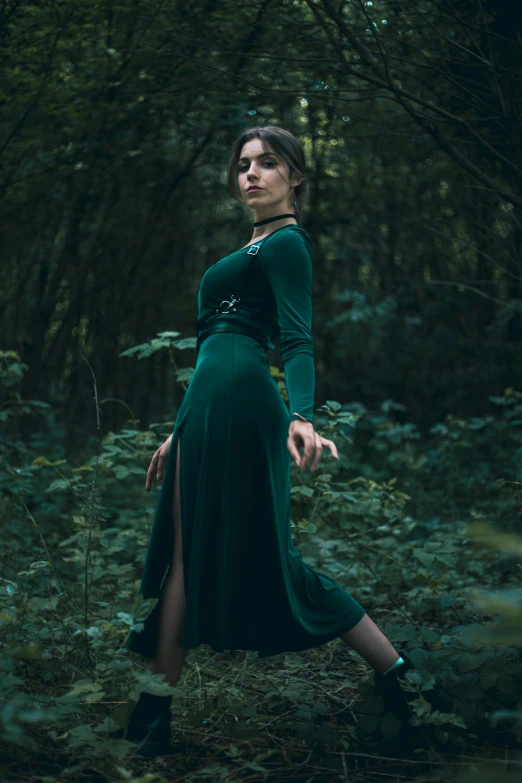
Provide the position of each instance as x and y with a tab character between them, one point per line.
406	98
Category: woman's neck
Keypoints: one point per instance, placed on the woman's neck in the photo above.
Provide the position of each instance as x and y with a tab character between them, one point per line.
263	231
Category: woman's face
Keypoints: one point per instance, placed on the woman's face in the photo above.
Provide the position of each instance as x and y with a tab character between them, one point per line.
267	172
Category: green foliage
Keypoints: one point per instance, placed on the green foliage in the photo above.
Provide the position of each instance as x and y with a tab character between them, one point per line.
163	340
12	370
68	597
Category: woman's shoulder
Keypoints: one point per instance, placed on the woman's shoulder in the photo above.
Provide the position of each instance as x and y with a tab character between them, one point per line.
288	236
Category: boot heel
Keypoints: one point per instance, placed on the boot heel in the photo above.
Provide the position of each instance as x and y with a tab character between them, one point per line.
149	725
397	700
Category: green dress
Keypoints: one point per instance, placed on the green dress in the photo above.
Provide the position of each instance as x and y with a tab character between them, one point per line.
246	585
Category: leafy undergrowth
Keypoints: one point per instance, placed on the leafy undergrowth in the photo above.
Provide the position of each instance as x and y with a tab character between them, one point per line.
421	530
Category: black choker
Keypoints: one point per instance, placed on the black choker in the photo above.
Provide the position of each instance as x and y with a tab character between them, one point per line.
277	217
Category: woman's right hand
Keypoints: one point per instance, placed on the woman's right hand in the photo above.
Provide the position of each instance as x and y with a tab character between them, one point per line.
157	465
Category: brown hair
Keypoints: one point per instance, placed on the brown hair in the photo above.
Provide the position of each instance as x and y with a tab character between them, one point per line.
284	144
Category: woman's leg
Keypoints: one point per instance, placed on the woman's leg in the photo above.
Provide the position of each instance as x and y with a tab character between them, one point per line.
170	656
372	644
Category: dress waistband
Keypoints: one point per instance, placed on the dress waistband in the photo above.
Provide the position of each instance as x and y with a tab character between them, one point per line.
234	327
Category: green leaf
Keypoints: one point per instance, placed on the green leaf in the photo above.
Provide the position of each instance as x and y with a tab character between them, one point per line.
83	687
135	349
93	697
184	374
307	492
333	405
127	618
428	635
320	708
294	661
58	485
424	556
118	749
456	720
82	735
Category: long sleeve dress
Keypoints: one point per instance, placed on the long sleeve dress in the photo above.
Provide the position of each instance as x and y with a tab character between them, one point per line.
246	585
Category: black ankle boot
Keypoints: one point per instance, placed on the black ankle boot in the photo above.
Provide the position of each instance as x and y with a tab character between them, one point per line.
397	700
150	719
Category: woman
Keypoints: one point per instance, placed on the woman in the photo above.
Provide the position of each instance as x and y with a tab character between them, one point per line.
221	533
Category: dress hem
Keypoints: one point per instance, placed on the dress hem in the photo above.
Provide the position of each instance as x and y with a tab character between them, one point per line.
266	652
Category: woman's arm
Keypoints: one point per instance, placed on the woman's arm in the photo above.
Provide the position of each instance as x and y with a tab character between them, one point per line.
287	259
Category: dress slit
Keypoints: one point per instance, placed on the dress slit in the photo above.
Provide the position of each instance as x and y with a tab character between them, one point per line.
171	608
177	557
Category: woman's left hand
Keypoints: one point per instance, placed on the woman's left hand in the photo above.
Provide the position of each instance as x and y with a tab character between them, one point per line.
302	434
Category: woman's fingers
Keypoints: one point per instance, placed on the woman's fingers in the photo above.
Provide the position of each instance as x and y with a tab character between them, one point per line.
309	449
333	448
318	451
331	445
162	461
294	451
158	462
151	471
308	440
313	449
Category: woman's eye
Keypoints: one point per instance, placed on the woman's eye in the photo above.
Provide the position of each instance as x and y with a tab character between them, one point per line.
270	162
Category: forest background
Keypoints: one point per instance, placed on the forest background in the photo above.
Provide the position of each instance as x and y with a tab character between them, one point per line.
116	122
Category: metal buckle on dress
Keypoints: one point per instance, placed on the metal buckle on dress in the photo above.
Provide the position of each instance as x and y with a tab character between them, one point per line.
229	305
252	250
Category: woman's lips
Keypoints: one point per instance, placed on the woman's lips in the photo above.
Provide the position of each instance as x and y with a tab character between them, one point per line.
254	190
